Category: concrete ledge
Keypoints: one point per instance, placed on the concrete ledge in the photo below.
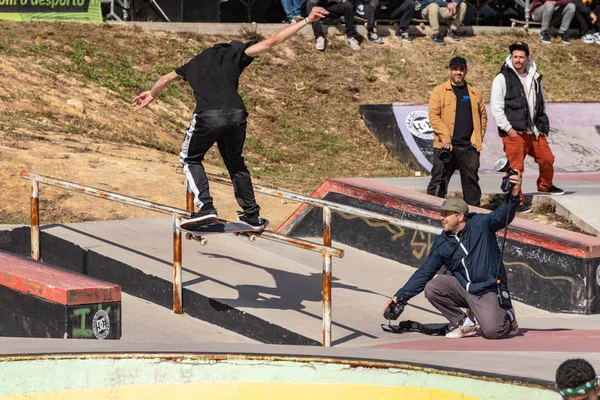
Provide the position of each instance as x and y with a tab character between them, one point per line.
549	268
37	300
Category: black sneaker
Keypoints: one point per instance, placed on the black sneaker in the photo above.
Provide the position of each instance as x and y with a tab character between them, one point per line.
205	216
563	37
452	35
555	191
253	221
545	37
374	37
438	40
404	36
523	209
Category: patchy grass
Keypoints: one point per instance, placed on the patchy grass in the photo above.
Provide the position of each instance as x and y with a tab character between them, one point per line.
304	125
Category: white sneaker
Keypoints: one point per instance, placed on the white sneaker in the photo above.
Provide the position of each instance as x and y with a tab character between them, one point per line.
360	10
588	39
353	43
320	43
597	37
375	38
461	330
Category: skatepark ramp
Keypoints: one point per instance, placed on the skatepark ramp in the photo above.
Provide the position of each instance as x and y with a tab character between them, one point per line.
549	268
249	377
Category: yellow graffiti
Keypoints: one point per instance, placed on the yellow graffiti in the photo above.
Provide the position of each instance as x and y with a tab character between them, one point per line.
525	265
420	248
248	391
396	231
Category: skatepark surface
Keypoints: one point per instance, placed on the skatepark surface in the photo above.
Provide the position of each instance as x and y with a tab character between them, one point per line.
282	285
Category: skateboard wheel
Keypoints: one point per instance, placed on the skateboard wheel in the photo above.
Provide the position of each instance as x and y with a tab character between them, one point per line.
252	238
188	236
203	242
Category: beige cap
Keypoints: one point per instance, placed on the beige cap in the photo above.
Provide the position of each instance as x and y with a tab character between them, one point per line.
455	204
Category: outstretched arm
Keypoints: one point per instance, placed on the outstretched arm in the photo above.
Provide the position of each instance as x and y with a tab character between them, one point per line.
147	97
285	33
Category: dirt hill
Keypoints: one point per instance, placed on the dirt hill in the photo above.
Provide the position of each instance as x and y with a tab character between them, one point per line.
65	91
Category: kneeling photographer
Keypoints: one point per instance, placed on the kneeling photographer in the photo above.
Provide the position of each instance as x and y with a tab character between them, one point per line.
458	118
468	248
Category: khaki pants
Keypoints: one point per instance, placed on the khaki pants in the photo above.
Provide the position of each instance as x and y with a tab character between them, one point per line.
434	14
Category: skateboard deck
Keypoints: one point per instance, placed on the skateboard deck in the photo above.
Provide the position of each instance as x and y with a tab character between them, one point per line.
515	23
221	227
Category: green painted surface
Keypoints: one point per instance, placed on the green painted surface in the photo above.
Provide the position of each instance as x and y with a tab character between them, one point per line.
52	374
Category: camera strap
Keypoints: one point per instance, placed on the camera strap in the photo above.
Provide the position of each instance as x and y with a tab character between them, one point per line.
414	326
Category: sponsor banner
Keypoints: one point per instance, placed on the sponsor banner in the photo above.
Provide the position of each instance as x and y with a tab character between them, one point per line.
51	10
573	138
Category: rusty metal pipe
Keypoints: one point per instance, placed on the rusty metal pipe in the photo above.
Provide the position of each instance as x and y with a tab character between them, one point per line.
177	257
35	220
304	244
327	268
334	206
103	194
189	198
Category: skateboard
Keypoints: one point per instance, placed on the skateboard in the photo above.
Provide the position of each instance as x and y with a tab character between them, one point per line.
515	23
221	227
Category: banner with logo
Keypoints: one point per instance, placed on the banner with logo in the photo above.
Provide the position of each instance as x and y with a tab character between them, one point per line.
51	10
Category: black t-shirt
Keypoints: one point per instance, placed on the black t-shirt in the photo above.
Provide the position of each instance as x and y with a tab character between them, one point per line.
214	75
463	121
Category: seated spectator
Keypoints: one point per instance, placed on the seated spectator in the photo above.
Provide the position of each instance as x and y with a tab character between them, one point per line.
587	15
336	8
401	10
551	12
293	10
452	12
577	380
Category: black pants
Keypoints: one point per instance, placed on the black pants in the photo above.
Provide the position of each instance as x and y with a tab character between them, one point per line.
344	8
585	24
402	10
467	162
228	129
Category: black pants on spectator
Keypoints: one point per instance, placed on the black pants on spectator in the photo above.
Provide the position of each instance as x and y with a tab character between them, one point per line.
467	162
585	25
228	129
404	12
344	7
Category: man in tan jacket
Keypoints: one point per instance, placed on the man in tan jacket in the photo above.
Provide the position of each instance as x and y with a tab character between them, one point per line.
458	118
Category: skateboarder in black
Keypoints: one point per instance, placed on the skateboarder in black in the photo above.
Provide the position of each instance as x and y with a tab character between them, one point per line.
220	116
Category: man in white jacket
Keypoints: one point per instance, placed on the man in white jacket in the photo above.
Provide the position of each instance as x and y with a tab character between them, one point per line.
519	108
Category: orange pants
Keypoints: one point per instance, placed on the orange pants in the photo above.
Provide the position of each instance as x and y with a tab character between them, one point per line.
516	148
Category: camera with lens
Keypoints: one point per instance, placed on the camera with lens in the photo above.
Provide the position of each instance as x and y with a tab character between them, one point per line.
503	165
393	310
445	156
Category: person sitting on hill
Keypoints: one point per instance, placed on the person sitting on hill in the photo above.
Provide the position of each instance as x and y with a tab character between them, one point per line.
551	12
587	15
452	12
401	10
335	8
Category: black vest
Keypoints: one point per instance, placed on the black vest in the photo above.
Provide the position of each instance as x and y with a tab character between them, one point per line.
515	104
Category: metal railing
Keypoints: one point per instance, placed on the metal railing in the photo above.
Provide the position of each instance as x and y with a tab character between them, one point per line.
325	249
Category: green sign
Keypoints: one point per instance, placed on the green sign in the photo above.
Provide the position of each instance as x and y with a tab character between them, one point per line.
51	10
